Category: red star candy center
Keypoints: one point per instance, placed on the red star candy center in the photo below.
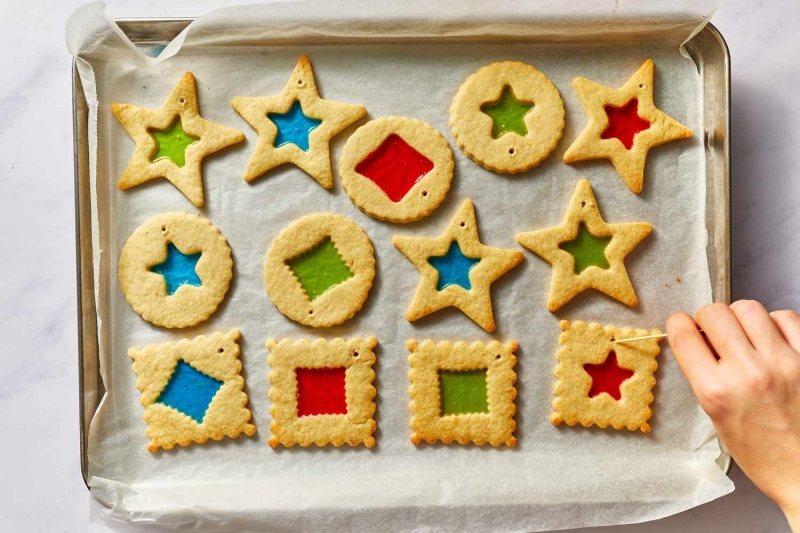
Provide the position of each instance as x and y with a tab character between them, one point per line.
624	123
607	377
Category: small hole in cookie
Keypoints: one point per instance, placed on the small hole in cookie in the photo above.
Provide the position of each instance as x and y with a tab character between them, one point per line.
583	204
310	312
641	85
221	350
498	356
463	224
511	150
355	354
163	229
613	339
300	82
424	193
183	100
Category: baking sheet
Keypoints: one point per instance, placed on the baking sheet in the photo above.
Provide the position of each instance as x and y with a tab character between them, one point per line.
555	478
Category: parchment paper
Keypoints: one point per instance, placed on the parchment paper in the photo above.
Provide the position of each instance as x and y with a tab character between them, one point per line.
370	54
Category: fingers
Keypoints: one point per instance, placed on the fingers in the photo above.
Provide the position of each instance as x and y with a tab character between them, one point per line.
759	327
788	323
691	351
723	330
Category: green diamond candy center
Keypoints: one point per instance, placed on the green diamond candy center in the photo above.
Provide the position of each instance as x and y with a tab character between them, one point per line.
320	269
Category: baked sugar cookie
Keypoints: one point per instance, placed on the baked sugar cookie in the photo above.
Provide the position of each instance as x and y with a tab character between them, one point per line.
396	168
296	126
192	390
175	270
507	117
456	269
322	392
319	270
463	392
586	252
602	382
623	125
172	141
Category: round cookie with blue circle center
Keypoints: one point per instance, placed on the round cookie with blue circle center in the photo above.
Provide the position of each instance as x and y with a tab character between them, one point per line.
175	270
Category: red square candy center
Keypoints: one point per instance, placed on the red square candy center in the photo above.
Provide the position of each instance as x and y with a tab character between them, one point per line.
321	391
395	167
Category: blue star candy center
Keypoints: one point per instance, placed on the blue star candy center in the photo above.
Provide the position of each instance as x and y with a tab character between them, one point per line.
453	267
294	127
189	391
178	269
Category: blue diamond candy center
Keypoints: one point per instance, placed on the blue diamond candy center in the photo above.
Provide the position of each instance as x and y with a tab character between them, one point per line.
189	391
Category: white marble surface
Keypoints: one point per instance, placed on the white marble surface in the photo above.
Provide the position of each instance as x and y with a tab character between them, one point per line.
42	489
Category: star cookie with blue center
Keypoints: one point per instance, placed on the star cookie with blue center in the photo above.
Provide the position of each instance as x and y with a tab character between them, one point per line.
172	141
457	269
192	390
586	252
296	126
175	270
623	125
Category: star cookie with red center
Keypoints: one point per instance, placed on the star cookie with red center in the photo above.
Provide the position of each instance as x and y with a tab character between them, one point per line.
623	125
603	380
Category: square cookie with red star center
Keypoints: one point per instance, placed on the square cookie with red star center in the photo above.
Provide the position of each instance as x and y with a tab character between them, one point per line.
463	392
322	392
602	380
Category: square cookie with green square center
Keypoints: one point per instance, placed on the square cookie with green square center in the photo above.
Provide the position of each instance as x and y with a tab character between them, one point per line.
192	390
463	392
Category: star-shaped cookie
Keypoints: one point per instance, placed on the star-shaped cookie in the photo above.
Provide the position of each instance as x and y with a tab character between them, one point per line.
623	125
172	141
296	126
586	252
457	270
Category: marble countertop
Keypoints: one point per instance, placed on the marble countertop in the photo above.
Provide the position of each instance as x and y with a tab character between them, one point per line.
43	490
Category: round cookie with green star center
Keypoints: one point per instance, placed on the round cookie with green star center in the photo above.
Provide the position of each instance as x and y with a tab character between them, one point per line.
175	270
507	117
319	269
396	168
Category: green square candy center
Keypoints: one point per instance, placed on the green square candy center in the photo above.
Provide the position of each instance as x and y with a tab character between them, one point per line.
320	269
463	391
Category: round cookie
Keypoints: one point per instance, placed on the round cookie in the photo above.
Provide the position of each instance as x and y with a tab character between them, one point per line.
396	168
175	270
319	269
507	117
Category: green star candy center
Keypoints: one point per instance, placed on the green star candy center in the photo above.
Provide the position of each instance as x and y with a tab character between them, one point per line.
587	250
507	114
172	143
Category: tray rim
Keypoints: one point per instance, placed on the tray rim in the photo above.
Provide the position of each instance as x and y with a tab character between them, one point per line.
725	461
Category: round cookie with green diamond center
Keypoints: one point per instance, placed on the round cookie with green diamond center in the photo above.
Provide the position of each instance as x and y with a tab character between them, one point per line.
507	117
175	270
319	269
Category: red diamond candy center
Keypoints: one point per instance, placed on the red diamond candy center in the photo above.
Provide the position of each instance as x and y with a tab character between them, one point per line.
395	167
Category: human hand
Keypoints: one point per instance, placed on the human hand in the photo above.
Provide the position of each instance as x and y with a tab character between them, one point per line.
752	392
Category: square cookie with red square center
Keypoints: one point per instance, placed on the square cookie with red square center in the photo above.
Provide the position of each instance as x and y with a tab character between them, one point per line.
322	392
463	392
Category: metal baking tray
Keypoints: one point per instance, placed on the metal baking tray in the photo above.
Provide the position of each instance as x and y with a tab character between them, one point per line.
707	49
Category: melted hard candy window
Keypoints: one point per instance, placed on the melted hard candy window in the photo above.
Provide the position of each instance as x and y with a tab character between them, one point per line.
178	269
294	126
453	268
320	269
395	167
624	123
189	391
463	392
507	114
587	250
607	377
321	391
172	143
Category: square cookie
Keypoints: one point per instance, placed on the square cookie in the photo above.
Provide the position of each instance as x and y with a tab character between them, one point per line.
602	382
322	392
463	392
192	390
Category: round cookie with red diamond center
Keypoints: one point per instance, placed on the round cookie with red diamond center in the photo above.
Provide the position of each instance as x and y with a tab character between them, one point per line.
507	117
396	168
319	269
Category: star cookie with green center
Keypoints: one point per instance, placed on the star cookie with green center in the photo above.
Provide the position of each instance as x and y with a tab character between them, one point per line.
296	126
192	390
319	269
456	269
623	124
507	117
586	252
172	141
